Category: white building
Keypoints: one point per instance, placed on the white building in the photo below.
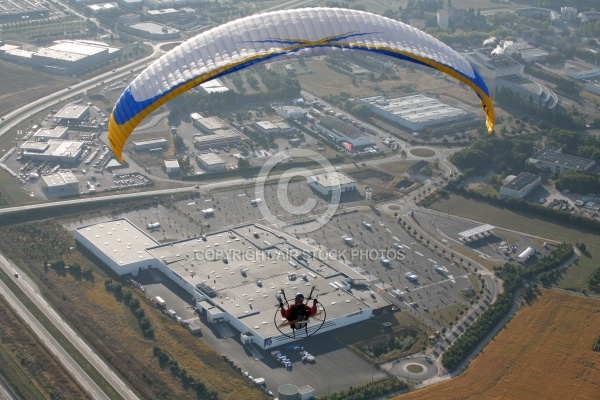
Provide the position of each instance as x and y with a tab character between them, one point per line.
339	131
581	70
524	256
119	244
330	182
56	133
521	185
241	291
73	114
568	13
276	127
214	86
60	184
290	112
443	18
149	144
593	87
415	112
552	159
211	162
172	166
60	151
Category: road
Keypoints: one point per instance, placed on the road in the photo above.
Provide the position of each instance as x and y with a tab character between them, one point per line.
29	288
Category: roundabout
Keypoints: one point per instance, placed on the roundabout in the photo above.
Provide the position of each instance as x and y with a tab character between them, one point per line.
414	369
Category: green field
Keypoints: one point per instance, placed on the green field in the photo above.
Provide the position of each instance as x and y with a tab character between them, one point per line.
576	276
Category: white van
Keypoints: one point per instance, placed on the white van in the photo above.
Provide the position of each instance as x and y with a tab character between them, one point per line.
256	202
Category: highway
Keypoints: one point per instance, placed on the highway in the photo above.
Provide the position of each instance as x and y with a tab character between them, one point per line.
31	290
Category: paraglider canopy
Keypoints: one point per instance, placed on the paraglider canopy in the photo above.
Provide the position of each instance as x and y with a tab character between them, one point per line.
281	35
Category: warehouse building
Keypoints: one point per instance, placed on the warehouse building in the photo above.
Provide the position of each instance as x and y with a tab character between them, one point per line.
119	244
72	114
56	133
213	86
211	162
150	144
216	133
581	69
234	275
415	112
521	185
66	57
23	10
337	130
331	182
172	166
290	112
151	30
551	158
277	127
59	151
60	184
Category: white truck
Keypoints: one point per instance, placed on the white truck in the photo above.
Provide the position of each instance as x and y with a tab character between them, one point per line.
160	302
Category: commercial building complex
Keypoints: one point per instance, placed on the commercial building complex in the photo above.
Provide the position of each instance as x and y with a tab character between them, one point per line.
23	10
150	144
72	114
234	275
276	127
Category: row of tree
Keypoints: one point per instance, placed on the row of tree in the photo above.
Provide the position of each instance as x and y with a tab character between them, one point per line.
369	391
165	360
512	276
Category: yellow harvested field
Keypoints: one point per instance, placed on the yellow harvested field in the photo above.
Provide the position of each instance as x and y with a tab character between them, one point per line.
545	352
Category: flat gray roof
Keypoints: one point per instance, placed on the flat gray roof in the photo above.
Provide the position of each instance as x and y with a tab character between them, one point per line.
120	240
331	179
416	108
72	111
60	179
521	181
550	154
333	123
268	259
211	159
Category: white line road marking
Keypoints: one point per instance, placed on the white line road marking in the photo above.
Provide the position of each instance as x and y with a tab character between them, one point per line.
429	259
416	252
388	229
406	247
395	238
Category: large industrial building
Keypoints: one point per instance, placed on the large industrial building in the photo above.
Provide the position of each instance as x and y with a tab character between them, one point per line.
521	185
65	57
151	30
211	162
551	158
581	70
23	10
501	71
234	275
150	144
339	131
415	112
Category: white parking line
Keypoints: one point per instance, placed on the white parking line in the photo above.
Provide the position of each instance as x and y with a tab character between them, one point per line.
429	259
406	247
388	229
395	238
416	252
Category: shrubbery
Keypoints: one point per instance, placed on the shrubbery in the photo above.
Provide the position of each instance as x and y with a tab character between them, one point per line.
368	391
